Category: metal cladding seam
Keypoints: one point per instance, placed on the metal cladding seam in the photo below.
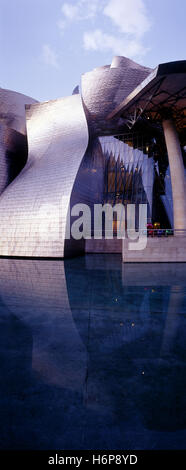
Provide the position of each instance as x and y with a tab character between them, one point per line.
34	207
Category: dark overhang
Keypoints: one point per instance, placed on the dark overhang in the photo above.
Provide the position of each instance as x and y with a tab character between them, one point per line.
162	93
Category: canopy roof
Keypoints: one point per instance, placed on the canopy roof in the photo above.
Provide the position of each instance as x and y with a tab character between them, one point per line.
161	94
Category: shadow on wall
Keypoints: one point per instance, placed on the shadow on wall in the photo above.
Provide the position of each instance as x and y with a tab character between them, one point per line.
87	189
13	155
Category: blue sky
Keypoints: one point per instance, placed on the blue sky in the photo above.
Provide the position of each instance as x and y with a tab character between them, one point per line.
45	45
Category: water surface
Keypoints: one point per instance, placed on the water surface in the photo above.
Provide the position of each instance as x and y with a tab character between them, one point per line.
92	354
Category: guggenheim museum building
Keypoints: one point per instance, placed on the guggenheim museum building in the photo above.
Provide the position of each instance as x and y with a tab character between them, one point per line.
119	139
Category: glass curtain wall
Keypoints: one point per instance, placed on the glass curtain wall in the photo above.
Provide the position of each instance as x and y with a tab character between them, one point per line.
129	172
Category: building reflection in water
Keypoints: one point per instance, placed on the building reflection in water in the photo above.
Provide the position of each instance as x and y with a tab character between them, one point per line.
92	354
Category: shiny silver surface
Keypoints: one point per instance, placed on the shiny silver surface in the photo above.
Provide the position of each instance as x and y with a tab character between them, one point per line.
12	109
13	138
105	87
32	212
65	161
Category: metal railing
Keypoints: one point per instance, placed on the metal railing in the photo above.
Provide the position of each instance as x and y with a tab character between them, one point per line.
161	232
150	233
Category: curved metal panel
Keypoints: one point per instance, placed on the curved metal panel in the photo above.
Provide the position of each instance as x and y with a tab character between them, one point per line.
13	139
34	207
105	87
12	109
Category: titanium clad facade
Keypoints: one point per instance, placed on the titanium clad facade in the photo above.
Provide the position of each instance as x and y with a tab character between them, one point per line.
34	207
84	149
12	109
13	138
103	88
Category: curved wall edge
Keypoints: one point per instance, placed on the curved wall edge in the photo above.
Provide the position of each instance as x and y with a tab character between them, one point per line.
34	207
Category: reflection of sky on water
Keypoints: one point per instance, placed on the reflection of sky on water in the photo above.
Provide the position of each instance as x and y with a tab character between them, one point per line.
92	354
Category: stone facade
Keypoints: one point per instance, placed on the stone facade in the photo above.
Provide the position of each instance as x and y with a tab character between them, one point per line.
158	250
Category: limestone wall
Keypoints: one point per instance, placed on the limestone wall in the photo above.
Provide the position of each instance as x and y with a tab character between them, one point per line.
158	250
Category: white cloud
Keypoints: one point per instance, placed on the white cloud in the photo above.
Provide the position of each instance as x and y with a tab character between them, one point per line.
82	10
129	15
97	40
70	11
49	56
129	21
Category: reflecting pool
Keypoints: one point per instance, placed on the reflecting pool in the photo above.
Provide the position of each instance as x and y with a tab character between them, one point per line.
92	354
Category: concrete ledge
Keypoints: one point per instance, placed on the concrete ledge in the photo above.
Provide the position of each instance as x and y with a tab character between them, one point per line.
158	250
